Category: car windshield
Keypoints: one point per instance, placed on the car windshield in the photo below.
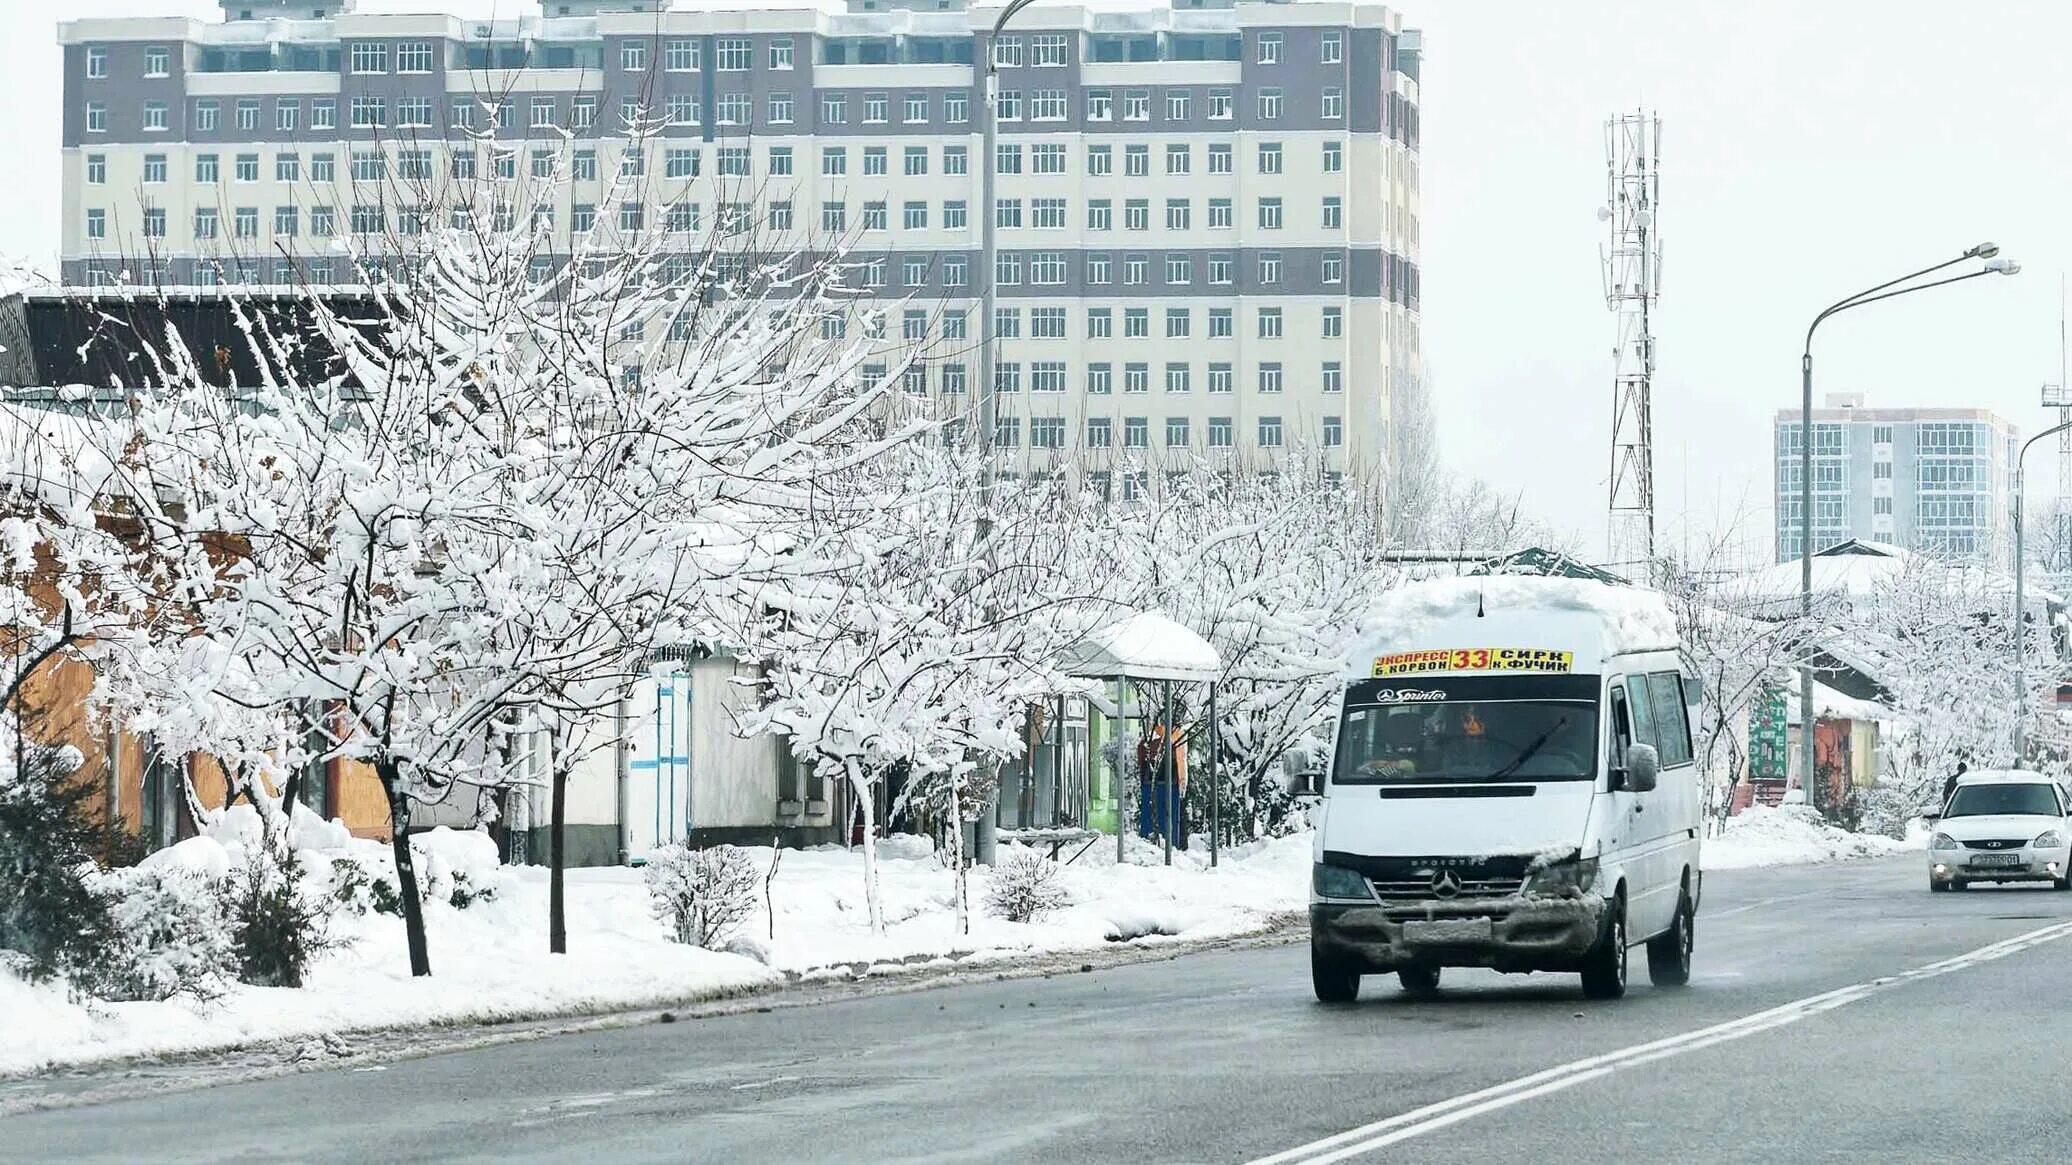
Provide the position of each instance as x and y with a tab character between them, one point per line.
1540	728
2034	800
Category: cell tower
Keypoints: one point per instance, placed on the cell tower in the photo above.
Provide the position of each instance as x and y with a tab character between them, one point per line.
1632	283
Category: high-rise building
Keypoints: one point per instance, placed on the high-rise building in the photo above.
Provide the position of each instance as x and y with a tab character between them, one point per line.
1937	480
1207	209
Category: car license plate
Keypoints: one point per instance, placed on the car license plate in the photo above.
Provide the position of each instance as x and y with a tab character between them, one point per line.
1996	859
1448	931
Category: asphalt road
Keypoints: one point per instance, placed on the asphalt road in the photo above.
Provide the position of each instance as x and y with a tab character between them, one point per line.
1836	1013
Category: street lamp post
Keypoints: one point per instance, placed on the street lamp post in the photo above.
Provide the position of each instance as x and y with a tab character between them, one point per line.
983	832
2021	631
1901	286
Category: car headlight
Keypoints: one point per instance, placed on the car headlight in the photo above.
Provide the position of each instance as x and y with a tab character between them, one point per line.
1944	841
2051	839
1575	876
1338	882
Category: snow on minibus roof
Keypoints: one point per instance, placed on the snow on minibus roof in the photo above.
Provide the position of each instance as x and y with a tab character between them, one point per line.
1631	619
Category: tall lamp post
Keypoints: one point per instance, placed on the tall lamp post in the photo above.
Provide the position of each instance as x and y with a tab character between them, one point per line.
989	222
1903	285
2021	570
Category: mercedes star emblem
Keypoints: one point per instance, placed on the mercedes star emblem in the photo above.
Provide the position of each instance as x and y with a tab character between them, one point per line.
1445	884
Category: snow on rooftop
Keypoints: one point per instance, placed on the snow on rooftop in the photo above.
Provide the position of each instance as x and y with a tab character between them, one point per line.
1633	618
1146	646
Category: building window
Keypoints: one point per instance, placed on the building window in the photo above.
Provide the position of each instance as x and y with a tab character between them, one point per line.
633	55
834	108
1220	378
1136	105
1221	105
876	108
368	57
1047	269
1007	376
956	108
780	53
1047	432
1269	214
1136	323
915	109
414	112
1047	105
1100	105
1334	322
97	169
1100	380
245	222
1100	161
1048	51
205	115
1100	431
414	57
1047	376
953	215
96	224
1176	428
1334	432
323	113
1136	214
1269	104
1220	433
287	221
96	63
1047	213
1177	377
206	169
955	160
874	216
1007	212
97	116
1179	214
1178	104
1269	48
369	219
1269	268
1136	432
1179	270
324	167
1179	158
1136	377
246	168
1270	377
1221	216
1334	213
1007	52
1097	269
1220	327
1333	377
780	161
735	109
369	112
1881	435
953	379
1269	323
154	222
1269	432
956	272
1333	103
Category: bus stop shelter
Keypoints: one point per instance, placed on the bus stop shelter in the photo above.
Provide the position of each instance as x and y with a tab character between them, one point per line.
1151	648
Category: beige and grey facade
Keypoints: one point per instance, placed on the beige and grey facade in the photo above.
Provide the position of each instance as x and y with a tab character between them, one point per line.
1208	210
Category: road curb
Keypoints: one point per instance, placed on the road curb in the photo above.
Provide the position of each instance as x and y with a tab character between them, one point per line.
368	1048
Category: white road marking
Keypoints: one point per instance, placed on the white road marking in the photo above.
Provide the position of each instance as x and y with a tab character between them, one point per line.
1433	1117
754	1084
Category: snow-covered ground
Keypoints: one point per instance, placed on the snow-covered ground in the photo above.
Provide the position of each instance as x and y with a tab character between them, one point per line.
1791	835
490	960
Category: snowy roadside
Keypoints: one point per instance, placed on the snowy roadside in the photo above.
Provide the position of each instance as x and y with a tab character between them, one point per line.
1792	835
491	966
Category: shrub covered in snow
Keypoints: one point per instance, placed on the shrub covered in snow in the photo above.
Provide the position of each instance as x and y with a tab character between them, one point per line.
49	911
167	936
703	894
277	926
1024	887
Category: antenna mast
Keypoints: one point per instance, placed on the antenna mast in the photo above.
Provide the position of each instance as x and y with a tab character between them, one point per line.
1632	284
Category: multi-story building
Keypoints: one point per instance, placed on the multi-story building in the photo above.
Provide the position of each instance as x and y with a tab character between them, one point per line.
1937	480
1207	210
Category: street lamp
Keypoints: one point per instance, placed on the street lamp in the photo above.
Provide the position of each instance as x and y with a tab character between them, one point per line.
2021	563
989	222
1903	285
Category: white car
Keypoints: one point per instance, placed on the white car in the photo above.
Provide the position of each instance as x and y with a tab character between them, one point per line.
2001	827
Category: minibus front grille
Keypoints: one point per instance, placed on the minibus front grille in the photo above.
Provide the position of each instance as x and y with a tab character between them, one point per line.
1435	890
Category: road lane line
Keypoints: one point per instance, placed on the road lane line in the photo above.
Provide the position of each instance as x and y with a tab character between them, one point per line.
1441	1114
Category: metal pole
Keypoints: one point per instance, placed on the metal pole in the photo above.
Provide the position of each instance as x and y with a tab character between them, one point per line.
2021	571
1057	765
1806	573
1124	759
1166	796
1215	786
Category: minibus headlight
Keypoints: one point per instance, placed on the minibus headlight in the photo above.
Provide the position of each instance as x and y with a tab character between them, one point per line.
1575	876
2050	840
1338	882
1944	841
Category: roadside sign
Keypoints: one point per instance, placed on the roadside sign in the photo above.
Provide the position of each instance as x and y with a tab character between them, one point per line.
1769	754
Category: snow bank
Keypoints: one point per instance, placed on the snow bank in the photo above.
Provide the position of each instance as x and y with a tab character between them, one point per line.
1634	619
1792	835
490	960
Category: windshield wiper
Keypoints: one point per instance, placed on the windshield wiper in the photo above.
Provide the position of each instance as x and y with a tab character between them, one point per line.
1530	749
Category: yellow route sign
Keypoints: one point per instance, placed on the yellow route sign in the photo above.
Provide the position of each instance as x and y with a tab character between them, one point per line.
1511	659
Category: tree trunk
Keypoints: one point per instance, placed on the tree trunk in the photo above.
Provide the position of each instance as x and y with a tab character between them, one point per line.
957	856
867	805
406	869
557	916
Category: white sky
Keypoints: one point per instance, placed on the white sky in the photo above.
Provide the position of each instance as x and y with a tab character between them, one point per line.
1810	150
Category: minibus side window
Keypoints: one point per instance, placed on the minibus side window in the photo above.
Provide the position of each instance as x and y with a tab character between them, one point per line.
1642	712
1622	728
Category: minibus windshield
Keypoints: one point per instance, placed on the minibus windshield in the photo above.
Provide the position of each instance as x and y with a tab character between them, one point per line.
1468	728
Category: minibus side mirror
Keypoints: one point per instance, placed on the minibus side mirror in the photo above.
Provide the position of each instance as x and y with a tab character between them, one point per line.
1643	765
1307	785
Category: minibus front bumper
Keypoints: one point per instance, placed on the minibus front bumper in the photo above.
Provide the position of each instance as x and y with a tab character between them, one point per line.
1523	933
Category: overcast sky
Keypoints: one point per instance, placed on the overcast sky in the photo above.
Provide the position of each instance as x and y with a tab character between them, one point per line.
1809	150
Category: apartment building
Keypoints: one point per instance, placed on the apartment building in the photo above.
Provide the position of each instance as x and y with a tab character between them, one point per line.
1936	480
1207	210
